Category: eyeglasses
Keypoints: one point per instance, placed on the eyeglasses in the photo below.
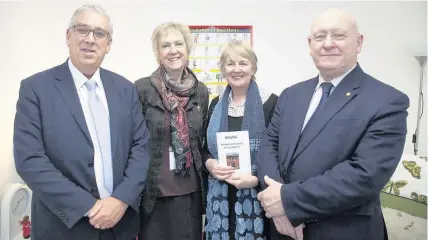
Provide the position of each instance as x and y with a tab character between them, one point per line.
84	30
321	37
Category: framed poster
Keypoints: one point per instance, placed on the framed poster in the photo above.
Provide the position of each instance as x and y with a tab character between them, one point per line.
204	58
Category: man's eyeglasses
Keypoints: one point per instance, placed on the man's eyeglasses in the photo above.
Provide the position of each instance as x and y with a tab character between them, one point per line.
321	37
84	30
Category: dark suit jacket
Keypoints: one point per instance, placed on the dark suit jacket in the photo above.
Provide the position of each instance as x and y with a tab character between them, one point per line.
334	171
54	154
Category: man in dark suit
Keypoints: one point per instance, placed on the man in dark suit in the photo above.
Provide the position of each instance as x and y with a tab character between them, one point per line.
333	143
80	141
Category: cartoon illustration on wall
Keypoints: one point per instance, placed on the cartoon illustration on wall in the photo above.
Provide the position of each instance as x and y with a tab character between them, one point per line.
413	168
394	186
205	55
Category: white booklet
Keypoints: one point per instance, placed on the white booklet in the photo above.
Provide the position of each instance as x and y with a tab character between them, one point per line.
234	150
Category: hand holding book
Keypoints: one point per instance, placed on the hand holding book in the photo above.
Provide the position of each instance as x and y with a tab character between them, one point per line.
218	171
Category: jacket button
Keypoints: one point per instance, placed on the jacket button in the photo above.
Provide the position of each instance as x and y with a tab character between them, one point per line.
90	164
94	190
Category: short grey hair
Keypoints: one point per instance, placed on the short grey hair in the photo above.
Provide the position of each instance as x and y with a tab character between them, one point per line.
92	8
238	48
166	28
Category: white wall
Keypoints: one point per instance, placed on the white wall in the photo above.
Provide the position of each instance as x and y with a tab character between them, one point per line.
32	39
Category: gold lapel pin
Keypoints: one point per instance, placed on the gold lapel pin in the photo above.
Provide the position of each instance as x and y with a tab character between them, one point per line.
348	94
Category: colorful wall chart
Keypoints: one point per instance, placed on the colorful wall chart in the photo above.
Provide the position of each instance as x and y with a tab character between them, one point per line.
204	59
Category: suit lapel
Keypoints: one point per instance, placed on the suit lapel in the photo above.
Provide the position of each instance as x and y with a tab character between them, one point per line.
113	101
301	107
345	91
68	91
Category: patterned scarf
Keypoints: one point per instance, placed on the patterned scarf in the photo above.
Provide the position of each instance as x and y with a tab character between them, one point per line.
248	210
175	97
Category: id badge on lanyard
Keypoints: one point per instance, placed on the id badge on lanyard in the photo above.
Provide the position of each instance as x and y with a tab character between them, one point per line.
171	159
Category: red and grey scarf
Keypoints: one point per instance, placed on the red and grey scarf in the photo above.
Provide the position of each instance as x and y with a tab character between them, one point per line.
175	96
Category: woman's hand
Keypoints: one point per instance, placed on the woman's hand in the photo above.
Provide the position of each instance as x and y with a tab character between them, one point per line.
242	180
218	171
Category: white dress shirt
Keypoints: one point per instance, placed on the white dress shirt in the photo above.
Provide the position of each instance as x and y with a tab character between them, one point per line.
316	97
82	91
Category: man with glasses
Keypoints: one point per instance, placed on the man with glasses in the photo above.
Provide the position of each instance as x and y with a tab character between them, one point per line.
80	141
333	143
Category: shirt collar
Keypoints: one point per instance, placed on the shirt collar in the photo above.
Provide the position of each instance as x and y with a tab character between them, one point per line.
264	95
334	81
80	79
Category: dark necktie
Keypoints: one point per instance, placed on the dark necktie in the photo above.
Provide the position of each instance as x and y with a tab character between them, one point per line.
326	88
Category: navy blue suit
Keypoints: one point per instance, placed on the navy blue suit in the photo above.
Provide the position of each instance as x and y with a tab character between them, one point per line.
54	154
334	170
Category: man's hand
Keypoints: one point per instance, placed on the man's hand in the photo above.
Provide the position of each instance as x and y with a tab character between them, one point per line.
284	226
95	209
270	198
242	180
109	214
218	171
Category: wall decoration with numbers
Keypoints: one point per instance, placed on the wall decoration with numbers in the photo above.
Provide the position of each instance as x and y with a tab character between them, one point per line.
204	58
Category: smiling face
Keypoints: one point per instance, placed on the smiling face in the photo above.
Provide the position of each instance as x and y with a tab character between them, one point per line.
238	64
87	52
334	43
238	71
173	51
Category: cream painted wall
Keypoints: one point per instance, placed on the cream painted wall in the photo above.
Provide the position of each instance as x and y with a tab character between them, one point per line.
33	39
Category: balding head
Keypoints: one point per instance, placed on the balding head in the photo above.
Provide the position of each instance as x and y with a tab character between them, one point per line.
334	18
334	42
